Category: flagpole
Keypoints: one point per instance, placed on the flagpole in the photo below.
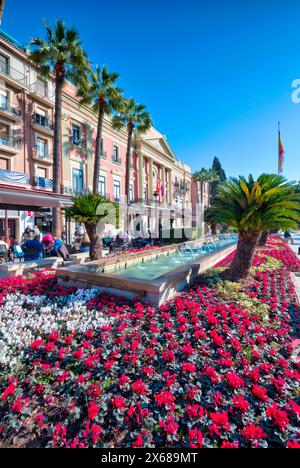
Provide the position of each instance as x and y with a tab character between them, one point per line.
278	158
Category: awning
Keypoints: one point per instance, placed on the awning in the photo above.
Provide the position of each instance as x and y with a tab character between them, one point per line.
30	200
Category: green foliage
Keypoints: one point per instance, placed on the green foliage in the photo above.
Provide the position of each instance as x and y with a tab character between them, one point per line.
206	175
255	206
61	49
133	114
270	264
90	209
100	90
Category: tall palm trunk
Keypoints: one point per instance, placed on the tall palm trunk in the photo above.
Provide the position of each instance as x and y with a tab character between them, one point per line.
130	128
98	150
59	81
91	229
242	261
263	238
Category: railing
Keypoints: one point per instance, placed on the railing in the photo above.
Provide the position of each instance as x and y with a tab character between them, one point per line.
46	156
10	142
42	121
40	89
43	182
13	177
11	108
10	71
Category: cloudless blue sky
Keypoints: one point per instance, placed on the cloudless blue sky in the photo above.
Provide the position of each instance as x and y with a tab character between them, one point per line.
215	75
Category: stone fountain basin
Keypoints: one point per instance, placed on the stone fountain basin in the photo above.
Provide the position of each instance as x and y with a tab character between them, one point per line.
156	291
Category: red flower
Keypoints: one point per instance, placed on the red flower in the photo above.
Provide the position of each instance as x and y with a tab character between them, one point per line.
93	410
164	398
260	392
10	390
279	417
195	438
234	380
220	419
252	432
118	402
240	403
138	441
139	387
188	367
229	445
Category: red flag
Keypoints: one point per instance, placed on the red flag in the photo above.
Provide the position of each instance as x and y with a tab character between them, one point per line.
281	153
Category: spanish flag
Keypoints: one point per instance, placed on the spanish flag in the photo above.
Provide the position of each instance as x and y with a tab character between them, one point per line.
280	152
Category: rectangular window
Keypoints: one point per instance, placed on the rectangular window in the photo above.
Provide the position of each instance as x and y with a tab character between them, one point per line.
41	148
76	137
3	100
41	87
102	186
115	153
4	134
41	118
77	180
131	195
3	164
3	64
117	190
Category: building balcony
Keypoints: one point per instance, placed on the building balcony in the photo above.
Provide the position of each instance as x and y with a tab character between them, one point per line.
42	124
10	145
11	177
45	157
13	77
43	183
10	111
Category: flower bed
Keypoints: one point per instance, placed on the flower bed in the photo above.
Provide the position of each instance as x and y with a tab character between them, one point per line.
209	369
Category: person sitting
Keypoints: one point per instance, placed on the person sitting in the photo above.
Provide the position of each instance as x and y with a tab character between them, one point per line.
3	250
288	237
33	249
48	243
60	249
118	244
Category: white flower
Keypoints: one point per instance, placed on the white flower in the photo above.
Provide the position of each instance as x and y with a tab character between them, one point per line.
25	318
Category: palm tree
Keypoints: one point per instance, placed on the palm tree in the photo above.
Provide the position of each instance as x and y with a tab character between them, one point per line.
100	92
205	176
90	209
251	207
133	116
60	55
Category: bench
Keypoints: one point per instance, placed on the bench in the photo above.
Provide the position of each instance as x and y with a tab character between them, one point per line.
18	269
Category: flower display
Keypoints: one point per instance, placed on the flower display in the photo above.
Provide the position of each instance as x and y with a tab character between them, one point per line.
213	367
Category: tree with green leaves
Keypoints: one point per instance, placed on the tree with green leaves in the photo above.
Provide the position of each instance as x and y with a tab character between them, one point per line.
217	167
205	176
90	209
62	56
133	116
100	92
251	207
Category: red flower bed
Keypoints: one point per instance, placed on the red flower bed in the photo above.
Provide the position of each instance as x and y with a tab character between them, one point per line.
198	372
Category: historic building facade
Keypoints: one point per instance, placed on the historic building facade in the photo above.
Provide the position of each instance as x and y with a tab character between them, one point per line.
160	185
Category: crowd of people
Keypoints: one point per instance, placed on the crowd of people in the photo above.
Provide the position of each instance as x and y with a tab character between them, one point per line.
34	245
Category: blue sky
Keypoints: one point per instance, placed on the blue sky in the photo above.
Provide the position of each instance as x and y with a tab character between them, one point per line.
215	75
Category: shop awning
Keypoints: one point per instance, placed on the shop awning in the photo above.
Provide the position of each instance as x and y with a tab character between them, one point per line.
13	198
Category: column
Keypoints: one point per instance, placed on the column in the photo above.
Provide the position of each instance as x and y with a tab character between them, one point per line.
150	184
163	181
141	177
170	188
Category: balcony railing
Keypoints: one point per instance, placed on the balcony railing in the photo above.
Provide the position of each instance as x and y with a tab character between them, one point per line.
10	108
10	142
41	90
43	182
45	156
11	72
42	121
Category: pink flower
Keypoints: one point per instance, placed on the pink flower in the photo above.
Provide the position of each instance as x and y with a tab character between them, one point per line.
234	380
164	398
10	390
252	432
139	387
